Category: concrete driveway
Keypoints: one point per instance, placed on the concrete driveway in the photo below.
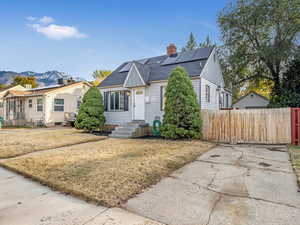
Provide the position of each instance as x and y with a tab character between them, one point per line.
23	202
229	185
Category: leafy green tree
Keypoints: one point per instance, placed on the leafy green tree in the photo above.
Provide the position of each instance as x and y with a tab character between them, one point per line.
182	111
260	38
23	80
290	87
91	112
191	44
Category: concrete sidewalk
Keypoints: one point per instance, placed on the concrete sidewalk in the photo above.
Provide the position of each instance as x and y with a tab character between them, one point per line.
23	202
229	185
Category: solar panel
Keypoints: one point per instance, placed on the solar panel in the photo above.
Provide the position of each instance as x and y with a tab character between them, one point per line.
170	60
125	68
186	56
201	53
143	61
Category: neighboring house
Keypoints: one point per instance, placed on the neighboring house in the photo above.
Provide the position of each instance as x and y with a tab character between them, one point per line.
3	92
135	90
252	100
43	106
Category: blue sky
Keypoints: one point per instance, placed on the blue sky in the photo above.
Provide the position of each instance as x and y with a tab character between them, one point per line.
78	37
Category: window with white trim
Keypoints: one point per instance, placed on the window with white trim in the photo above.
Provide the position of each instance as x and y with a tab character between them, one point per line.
39	105
162	98
59	105
207	93
30	103
116	100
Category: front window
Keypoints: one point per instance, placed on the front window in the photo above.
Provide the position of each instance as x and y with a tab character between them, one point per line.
162	97
207	93
39	105
59	105
116	100
30	103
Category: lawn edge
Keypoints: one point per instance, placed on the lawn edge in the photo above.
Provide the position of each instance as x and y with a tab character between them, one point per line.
82	196
52	148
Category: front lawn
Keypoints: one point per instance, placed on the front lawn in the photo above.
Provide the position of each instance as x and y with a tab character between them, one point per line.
19	142
110	171
295	158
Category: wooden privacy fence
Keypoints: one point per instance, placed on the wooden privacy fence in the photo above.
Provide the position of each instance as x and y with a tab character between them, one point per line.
261	126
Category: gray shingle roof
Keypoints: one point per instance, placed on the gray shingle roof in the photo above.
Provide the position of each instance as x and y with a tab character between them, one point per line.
160	67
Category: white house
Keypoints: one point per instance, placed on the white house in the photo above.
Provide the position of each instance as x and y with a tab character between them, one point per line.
3	92
43	106
135	90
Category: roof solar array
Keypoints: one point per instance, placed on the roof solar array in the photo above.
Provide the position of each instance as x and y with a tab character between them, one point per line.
188	56
126	68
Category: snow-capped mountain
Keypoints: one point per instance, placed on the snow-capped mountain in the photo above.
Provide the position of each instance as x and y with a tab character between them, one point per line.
44	79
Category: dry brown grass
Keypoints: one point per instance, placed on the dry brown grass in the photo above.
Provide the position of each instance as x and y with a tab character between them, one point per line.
19	142
110	171
295	158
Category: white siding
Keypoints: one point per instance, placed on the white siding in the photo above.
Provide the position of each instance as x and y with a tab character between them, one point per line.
152	103
214	95
118	118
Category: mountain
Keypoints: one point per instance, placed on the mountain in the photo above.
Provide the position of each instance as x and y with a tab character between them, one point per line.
43	79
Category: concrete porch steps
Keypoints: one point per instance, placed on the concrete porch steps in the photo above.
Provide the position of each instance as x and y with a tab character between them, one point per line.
131	130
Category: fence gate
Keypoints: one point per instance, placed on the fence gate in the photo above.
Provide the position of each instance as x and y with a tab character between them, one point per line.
295	119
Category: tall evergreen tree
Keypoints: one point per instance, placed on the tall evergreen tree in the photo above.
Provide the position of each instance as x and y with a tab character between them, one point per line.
191	43
207	43
91	112
182	111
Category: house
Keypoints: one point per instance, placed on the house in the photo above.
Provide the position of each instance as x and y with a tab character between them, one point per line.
43	106
252	100
3	91
135	90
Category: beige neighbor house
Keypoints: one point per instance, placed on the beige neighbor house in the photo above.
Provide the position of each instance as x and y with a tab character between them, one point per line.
3	92
252	100
46	106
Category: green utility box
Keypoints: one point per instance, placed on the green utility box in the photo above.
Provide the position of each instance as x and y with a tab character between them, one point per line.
1	121
156	126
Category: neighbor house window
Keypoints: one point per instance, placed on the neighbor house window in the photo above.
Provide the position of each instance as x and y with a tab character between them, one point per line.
78	104
207	93
30	103
1	104
116	100
162	97
59	105
39	105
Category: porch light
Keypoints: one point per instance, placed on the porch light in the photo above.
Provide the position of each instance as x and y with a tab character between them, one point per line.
128	93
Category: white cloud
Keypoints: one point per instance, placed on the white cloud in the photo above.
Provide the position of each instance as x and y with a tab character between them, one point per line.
30	18
58	32
46	20
46	27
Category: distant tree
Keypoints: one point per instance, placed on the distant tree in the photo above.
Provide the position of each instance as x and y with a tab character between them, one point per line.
100	75
261	86
182	111
91	112
260	38
23	80
290	87
3	85
207	43
191	43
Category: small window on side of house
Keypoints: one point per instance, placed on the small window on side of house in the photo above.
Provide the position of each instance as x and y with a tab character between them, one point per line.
30	103
207	93
39	105
59	105
162	98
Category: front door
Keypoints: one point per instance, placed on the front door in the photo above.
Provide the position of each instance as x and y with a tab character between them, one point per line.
139	104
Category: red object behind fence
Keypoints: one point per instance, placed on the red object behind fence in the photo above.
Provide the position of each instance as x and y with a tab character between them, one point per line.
295	118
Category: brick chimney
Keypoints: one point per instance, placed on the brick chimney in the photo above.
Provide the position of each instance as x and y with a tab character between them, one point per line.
171	49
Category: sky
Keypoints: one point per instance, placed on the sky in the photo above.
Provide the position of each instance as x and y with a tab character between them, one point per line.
80	36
